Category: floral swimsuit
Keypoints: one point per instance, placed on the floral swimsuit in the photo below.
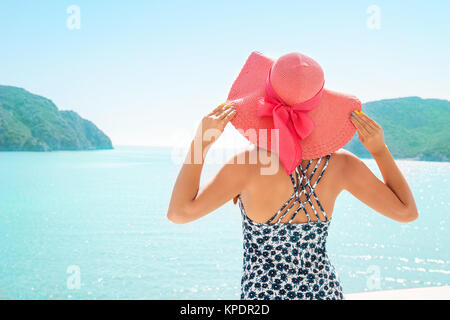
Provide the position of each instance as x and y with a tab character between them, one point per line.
285	260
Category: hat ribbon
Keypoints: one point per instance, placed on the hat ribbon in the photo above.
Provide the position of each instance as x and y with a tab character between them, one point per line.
292	121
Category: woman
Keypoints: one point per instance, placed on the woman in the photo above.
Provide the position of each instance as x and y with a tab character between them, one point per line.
285	225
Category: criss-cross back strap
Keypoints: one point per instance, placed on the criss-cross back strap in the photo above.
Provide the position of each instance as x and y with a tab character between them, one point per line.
299	189
312	191
287	202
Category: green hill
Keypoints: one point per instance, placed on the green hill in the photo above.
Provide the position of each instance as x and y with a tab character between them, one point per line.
413	128
29	122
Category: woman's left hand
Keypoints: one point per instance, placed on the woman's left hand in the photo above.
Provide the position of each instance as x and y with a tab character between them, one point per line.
214	123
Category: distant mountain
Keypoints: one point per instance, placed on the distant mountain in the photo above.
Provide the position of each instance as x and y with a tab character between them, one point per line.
414	128
29	122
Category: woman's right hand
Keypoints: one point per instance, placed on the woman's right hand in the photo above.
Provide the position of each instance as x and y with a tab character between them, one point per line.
370	133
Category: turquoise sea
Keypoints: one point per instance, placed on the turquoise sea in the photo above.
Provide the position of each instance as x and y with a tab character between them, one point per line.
100	217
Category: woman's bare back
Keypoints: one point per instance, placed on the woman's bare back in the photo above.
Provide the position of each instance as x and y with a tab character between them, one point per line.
267	193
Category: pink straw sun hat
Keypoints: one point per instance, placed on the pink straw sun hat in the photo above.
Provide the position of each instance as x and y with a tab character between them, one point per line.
288	95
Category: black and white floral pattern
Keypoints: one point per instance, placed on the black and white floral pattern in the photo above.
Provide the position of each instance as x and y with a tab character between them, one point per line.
288	260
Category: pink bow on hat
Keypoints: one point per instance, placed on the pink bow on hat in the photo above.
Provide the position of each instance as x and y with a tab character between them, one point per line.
293	122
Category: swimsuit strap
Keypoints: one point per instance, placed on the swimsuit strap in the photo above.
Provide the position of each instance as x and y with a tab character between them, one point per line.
312	188
299	189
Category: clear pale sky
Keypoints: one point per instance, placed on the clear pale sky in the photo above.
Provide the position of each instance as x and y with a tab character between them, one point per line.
142	69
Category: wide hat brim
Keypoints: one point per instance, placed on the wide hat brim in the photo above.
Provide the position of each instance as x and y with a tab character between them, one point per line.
332	125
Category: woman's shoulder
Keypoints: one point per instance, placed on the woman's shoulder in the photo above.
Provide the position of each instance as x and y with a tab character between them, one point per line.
341	155
255	161
254	157
345	165
345	157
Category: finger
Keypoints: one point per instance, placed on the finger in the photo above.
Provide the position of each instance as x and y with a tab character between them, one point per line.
220	106
367	121
359	126
371	121
220	112
229	116
367	131
225	108
226	112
